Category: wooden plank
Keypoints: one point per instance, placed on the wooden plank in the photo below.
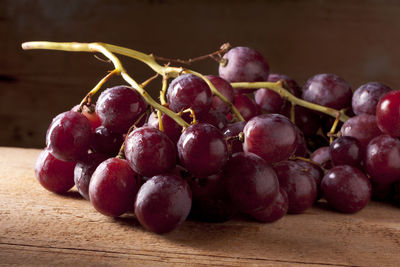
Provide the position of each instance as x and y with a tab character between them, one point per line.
41	228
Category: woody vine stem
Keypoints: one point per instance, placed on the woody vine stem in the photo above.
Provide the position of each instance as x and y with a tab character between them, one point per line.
166	72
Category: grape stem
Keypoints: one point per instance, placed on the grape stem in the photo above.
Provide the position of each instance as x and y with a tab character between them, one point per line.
278	88
104	49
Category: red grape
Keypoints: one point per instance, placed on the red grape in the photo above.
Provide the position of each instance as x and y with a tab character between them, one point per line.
246	106
346	150
276	210
366	97
225	88
388	113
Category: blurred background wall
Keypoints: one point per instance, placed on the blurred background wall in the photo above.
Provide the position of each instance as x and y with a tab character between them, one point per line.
357	40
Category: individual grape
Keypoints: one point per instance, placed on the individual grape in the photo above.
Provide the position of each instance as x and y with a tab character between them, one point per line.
268	100
315	172
244	64
276	210
68	136
119	108
202	149
113	187
388	114
307	120
163	203
246	106
327	90
53	174
346	150
90	114
366	97
382	159
84	170
322	156
270	136
189	91
106	142
252	184
346	189
211	201
225	88
215	118
232	130
363	127
171	128
149	151
298	184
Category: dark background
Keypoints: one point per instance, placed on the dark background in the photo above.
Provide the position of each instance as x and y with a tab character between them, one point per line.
358	40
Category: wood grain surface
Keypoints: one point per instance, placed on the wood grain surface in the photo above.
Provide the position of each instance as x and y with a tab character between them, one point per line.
355	39
41	228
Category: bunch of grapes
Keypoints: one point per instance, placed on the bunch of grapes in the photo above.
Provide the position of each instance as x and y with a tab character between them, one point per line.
124	156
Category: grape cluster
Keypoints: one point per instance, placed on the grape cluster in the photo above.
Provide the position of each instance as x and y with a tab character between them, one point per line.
123	157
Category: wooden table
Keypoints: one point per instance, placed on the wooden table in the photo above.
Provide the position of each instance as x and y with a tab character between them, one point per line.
41	228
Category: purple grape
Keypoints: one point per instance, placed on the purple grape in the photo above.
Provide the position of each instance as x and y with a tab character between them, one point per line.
346	189
244	65
68	136
171	128
322	156
301	146
113	187
268	100
53	174
149	151
215	118
388	113
327	90
84	170
225	88
366	97
119	108
346	150
292	85
163	203
189	91
231	130
363	127
252	184
211	200
298	184
315	172
106	142
202	149
382	159
246	106
276	210
270	136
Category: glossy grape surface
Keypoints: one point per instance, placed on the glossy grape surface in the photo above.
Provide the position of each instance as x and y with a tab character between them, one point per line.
231	130
171	128
346	150
149	151
270	136
53	174
327	90
244	65
298	184
388	113
119	107
382	159
276	210
322	156
315	172
163	203
202	149
346	189
366	97
106	142
90	113
252	184
189	91
268	100
68	136
363	127
113	187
